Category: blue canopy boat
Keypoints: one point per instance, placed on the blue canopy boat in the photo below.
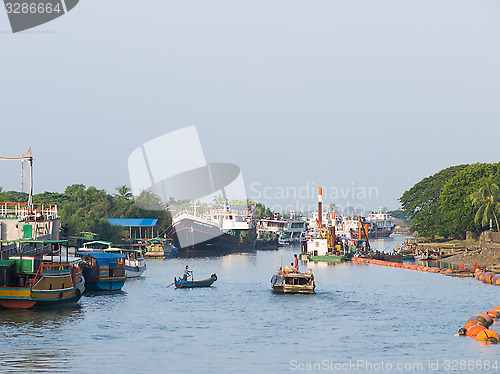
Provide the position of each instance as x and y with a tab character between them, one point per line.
103	271
181	283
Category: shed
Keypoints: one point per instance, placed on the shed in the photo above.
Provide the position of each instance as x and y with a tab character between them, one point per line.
138	227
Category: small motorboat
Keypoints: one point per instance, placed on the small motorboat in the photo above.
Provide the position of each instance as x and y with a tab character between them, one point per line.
290	282
181	283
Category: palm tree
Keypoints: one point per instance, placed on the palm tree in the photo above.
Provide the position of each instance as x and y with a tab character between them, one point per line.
124	193
486	199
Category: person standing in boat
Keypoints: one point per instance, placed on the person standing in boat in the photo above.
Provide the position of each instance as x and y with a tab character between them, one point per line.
187	273
296	262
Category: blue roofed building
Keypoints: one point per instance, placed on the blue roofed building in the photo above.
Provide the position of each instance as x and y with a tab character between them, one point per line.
139	228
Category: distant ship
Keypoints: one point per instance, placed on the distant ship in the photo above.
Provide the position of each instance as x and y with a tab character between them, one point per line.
288	230
382	225
221	229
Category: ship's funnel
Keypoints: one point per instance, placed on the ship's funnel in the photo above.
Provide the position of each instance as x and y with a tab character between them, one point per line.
320	207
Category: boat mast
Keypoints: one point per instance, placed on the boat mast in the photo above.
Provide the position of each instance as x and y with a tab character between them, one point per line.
30	162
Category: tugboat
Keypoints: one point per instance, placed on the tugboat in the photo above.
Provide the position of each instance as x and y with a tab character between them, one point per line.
293	282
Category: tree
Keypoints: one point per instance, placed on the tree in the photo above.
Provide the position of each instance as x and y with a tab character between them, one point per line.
457	211
422	202
124	192
486	199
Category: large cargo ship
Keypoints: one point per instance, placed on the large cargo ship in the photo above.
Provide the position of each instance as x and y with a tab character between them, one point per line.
222	229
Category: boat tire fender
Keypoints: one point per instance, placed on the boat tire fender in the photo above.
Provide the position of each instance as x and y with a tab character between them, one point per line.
214	276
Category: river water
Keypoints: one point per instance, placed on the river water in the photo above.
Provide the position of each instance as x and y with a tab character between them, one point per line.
362	318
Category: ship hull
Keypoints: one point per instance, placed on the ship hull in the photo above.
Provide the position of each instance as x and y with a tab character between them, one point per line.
380	234
193	235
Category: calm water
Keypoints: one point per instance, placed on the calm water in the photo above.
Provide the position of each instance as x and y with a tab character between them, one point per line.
369	313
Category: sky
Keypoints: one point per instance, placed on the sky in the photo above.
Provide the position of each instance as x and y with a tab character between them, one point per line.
363	97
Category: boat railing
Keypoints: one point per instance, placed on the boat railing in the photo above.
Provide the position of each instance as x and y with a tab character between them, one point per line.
25	212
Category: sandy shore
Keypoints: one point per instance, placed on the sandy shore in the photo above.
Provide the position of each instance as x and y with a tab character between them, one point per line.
487	255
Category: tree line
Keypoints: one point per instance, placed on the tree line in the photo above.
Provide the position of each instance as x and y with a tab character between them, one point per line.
86	209
455	200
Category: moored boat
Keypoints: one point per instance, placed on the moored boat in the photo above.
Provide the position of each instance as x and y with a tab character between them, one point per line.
181	283
293	282
103	271
426	256
37	278
135	263
221	229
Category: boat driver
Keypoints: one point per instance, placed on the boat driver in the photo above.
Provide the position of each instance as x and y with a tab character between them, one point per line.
187	273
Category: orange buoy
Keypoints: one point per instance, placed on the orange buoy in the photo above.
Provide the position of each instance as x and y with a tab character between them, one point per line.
477	321
485	316
487	335
474	330
489	276
495	314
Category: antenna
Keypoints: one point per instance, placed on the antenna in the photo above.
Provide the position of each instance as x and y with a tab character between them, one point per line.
22	174
28	158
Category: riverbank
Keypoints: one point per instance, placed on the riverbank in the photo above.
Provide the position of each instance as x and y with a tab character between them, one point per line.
486	254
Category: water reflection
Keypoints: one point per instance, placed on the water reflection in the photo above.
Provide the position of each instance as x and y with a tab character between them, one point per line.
28	338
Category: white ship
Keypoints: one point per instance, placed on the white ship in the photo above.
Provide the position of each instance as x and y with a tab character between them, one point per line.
288	230
222	228
382	225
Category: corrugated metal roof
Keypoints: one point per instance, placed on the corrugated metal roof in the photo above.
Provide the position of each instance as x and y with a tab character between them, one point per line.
134	222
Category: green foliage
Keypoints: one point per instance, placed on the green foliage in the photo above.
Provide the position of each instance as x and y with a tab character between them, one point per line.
441	204
421	202
486	200
399	213
14	196
261	211
455	204
124	193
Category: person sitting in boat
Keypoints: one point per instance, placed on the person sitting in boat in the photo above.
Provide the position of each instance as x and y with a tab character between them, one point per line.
187	273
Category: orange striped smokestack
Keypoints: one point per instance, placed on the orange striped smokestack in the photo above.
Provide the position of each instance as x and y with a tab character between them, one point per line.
320	207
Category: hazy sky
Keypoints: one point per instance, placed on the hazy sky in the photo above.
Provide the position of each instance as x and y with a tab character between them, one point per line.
371	94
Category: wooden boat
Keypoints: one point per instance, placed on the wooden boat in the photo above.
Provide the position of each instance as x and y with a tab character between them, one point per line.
135	263
37	278
181	283
103	271
291	282
426	256
393	257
